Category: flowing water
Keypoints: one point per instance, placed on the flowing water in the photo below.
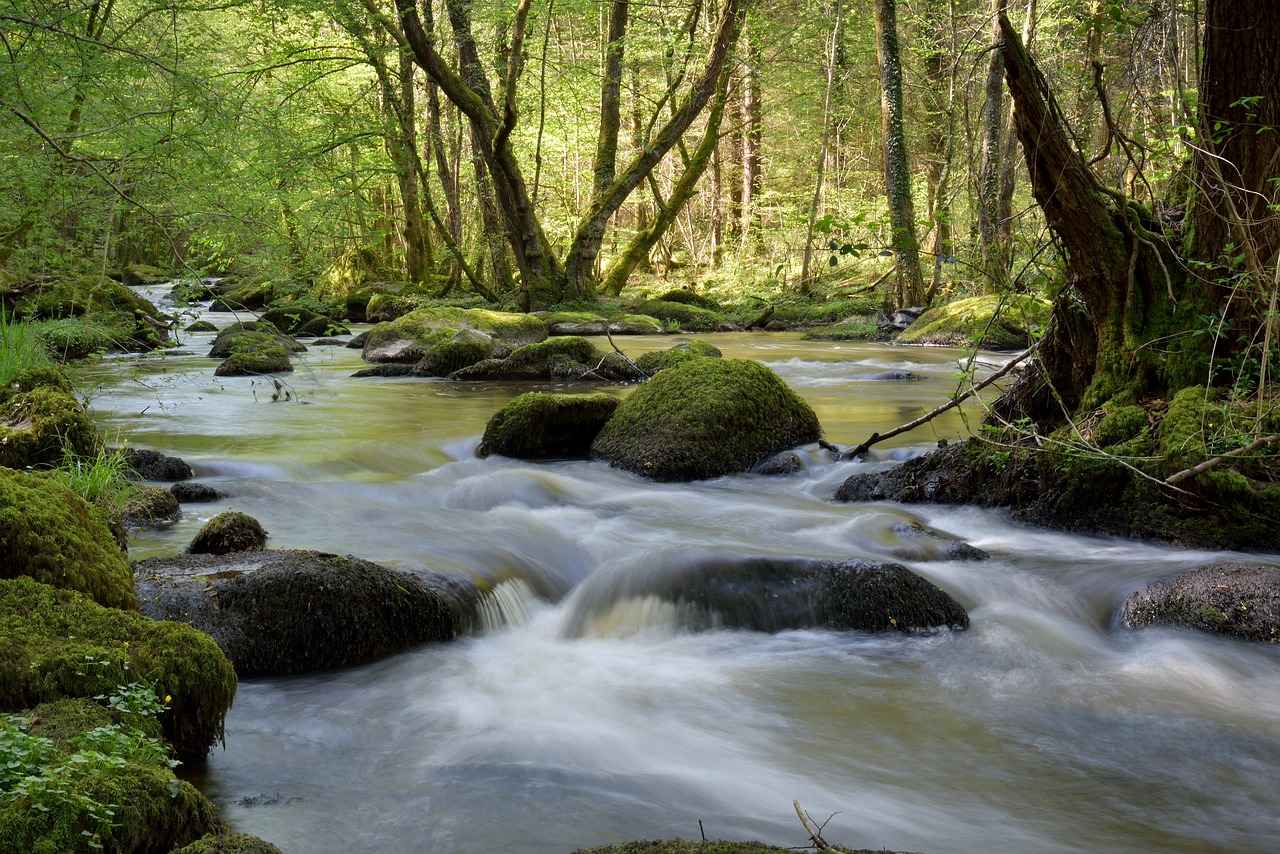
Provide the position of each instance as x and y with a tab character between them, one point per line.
565	723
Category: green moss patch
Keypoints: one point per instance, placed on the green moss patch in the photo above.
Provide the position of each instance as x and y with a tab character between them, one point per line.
540	425
569	357
991	322
652	363
106	314
41	426
682	846
57	643
54	536
409	338
684	318
228	532
705	418
229	843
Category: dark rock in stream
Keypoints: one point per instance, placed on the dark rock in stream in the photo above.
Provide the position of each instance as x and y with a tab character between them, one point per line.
775	594
276	612
1239	600
188	492
153	465
149	507
787	462
229	532
390	369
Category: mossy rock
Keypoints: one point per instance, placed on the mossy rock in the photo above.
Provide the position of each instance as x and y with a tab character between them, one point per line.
248	295
281	612
652	363
590	323
58	643
187	492
90	314
383	307
36	376
143	274
77	297
151	506
779	594
1121	424
40	426
201	326
568	357
1239	600
974	322
80	338
150	809
248	336
705	418
538	425
288	320
862	329
444	359
684	318
409	338
686	297
321	327
229	843
272	359
228	532
1182	430
56	537
147	464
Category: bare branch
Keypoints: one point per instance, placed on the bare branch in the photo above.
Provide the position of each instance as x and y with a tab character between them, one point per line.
1219	460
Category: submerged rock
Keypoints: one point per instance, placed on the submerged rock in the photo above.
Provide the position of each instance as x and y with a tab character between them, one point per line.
229	532
276	612
1239	600
775	594
540	425
705	418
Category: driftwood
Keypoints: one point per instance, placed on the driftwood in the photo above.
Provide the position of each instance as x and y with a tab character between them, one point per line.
813	831
1219	460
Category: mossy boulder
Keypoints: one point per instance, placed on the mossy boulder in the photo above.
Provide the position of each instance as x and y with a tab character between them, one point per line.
229	843
590	323
776	594
295	611
688	297
147	464
194	493
714	846
569	358
250	294
58	643
659	360
151	506
201	326
251	334
683	318
444	359
143	274
229	532
409	338
40	426
705	418
538	425
54	536
1239	600
991	322
111	316
128	801
382	306
36	376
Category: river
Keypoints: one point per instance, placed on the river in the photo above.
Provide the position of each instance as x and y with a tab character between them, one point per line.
1045	727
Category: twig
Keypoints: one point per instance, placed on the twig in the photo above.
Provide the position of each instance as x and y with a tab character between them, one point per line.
639	370
1219	460
818	842
876	438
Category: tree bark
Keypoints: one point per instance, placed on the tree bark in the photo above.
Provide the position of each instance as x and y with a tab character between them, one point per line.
995	263
902	216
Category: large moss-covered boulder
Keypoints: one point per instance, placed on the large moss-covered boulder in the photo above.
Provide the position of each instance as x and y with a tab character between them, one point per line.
683	318
58	643
230	339
705	418
229	532
409	338
121	320
251	294
593	323
1239	600
33	377
294	611
229	843
774	594
992	322
102	782
660	360
38	427
539	425
54	536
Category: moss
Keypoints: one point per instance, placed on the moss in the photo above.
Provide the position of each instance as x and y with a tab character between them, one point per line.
201	326
38	376
228	532
451	356
1121	424
354	270
272	359
693	298
87	315
86	295
411	337
51	534
538	424
652	363
974	322
1239	600
1182	430
249	336
705	418
289	319
382	307
251	294
686	318
864	329
150	505
229	843
143	274
57	643
66	809
568	356
41	426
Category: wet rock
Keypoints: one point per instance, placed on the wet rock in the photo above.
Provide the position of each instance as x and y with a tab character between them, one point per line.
229	843
194	493
538	425
775	594
787	462
993	322
1238	600
252	335
275	612
153	465
391	369
705	418
896	376
229	532
151	506
201	326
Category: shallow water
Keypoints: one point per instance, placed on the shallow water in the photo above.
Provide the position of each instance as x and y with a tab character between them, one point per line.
1042	728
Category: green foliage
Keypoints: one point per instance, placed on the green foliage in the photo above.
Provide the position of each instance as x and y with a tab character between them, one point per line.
102	479
20	348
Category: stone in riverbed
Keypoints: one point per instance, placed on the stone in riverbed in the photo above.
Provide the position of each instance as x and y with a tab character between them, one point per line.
1239	600
229	532
538	425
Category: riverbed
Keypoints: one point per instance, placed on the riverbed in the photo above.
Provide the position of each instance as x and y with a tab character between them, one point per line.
1044	727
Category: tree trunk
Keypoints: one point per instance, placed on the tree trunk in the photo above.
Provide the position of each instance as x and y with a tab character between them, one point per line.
906	249
939	64
995	263
753	121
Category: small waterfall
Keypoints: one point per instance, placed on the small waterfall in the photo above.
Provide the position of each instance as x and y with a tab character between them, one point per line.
507	604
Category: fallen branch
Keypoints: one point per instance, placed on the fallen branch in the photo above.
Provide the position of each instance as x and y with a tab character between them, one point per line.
814	834
1219	460
876	438
616	349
